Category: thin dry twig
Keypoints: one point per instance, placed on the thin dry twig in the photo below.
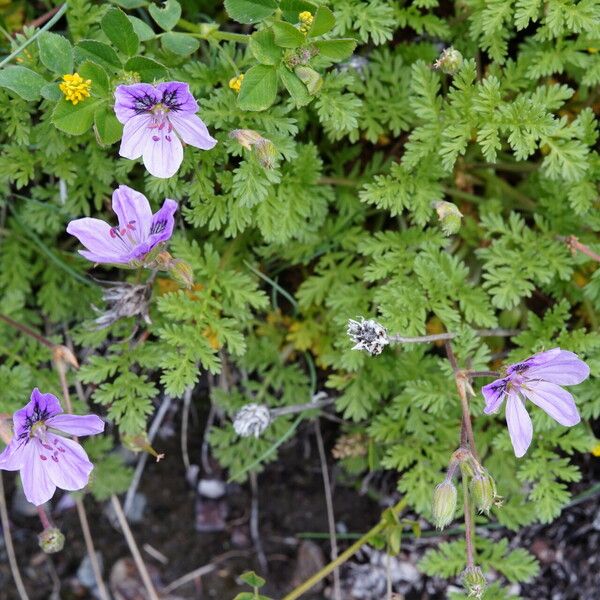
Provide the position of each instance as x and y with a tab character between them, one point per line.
337	594
133	548
437	337
89	544
254	528
139	468
10	549
203	570
83	520
185	419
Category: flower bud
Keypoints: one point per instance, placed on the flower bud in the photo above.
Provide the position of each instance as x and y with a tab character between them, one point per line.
51	540
443	506
140	443
483	490
252	419
263	148
474	582
449	215
182	273
449	62
310	78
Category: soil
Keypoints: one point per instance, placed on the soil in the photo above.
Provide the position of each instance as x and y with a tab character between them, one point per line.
291	505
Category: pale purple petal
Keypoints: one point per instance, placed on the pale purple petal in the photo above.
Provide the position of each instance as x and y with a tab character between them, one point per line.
68	465
95	235
519	425
40	406
12	456
555	401
561	367
99	258
163	154
192	130
37	485
163	222
133	211
77	424
533	361
494	395
131	100
176	96
135	133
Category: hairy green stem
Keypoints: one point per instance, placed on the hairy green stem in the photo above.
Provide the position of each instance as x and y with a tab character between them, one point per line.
469	528
24	45
344	556
27	331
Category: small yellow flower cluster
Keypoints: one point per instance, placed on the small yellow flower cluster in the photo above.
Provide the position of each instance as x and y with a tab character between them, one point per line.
75	88
235	83
306	21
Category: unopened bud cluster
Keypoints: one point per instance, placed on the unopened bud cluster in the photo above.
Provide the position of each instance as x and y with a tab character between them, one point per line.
306	20
481	487
51	540
263	149
449	61
350	446
449	215
368	335
474	582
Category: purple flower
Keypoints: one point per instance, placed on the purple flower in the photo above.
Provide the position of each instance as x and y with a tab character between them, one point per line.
138	232
157	119
46	459
539	379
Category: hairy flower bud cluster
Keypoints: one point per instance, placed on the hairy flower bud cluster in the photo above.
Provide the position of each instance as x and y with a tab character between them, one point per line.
350	445
306	20
474	582
368	335
449	215
449	61
263	149
51	540
443	505
252	420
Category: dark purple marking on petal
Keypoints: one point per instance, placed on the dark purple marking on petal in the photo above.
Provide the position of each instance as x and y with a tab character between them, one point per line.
170	100
158	226
156	138
143	103
42	457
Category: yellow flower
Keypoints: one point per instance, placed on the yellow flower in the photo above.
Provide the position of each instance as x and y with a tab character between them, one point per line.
306	20
75	88
596	450
235	83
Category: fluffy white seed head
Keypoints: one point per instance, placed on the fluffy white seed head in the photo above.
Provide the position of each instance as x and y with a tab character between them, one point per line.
368	335
251	419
